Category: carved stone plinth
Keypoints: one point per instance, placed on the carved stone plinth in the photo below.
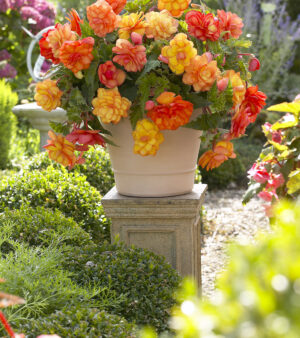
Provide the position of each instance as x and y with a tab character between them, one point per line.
168	226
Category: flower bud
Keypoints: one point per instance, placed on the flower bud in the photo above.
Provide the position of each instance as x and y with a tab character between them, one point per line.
163	59
254	64
149	105
276	137
136	38
222	84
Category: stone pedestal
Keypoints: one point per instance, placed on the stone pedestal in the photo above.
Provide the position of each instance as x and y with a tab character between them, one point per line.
168	226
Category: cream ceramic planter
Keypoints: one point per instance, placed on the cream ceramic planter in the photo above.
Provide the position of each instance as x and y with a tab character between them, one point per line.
170	172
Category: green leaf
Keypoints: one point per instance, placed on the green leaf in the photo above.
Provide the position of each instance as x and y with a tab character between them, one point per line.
197	100
136	113
204	122
253	189
293	183
91	80
150	65
286	121
59	127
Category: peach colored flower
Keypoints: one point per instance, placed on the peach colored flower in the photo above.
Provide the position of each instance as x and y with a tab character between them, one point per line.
179	53
172	112
58	36
130	23
48	94
238	85
77	55
110	75
147	138
131	57
110	106
230	22
175	7
61	150
203	26
102	18
160	25
201	73
117	5
221	152
75	21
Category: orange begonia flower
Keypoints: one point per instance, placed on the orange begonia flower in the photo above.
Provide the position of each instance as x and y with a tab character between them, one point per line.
131	57
175	7
102	18
48	94
110	75
179	53
45	48
203	26
75	21
61	150
171	113
201	73
147	138
221	152
110	106
230	23
238	85
58	36
77	55
133	22
117	5
160	25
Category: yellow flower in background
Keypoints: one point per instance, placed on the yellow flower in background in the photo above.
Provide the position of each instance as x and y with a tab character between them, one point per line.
160	25
133	22
48	95
179	53
238	86
110	106
147	138
175	7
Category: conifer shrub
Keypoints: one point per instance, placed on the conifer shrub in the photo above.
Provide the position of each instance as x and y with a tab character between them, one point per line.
8	99
57	189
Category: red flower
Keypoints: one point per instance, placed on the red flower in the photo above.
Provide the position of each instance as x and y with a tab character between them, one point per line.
171	113
86	137
254	101
230	22
46	49
254	64
203	26
75	21
259	173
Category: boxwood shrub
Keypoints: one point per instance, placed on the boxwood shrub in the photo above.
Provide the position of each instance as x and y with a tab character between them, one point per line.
81	323
97	168
57	189
147	279
41	227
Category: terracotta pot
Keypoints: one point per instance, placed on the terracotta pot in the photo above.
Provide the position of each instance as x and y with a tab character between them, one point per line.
170	172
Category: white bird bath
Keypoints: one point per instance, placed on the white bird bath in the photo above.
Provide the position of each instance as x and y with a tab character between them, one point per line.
39	118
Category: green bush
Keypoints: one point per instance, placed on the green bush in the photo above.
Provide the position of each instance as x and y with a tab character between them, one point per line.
41	227
80	323
145	278
57	189
97	168
7	121
258	295
34	273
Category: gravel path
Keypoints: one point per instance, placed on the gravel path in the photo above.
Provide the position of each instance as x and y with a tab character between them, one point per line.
226	219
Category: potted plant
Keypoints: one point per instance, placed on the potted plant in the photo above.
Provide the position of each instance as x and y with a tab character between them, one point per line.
150	79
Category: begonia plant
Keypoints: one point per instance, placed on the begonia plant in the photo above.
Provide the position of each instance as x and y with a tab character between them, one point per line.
276	173
154	63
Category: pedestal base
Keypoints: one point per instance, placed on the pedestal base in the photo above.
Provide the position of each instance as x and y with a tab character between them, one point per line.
168	226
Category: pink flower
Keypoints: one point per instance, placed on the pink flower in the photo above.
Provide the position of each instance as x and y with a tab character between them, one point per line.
275	181
131	57
259	173
85	137
149	105
136	38
268	195
254	64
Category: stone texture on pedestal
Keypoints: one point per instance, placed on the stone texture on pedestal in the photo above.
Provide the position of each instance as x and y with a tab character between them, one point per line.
168	226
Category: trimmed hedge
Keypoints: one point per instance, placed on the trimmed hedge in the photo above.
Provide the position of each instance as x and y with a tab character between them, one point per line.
145	278
57	189
41	227
80	323
97	168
